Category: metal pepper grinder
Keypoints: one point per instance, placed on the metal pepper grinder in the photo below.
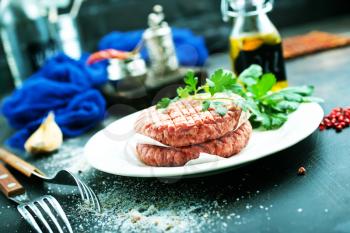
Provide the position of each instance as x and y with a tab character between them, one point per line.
159	43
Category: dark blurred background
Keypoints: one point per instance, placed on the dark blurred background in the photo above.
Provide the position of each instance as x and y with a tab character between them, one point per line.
98	17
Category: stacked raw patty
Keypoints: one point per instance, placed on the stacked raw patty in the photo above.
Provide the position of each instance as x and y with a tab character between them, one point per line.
188	131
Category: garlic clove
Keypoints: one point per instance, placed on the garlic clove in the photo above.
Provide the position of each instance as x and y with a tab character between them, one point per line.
47	138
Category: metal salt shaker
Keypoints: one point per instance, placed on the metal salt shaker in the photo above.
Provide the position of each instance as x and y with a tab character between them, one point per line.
159	43
127	77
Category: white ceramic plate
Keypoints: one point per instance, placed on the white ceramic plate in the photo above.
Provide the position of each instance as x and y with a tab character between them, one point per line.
108	149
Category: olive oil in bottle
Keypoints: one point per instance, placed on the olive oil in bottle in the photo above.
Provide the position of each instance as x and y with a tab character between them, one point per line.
254	39
265	50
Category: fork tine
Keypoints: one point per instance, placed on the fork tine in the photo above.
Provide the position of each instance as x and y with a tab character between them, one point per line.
48	211
98	204
60	211
82	190
39	215
90	198
94	199
89	193
29	218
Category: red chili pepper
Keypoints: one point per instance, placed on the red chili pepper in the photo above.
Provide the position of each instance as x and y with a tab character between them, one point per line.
107	54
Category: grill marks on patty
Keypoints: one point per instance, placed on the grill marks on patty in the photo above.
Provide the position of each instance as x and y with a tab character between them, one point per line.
226	146
184	123
190	131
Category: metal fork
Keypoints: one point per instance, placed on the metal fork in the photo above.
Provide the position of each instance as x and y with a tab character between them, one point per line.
61	177
66	177
29	209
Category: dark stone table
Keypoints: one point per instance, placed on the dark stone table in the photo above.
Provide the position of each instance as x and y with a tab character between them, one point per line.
264	196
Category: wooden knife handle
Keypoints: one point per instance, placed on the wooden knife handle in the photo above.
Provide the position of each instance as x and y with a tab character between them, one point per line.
8	183
17	163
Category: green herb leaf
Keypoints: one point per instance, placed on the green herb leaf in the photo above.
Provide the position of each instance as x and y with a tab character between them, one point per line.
183	92
163	103
288	106
191	81
312	99
302	90
291	96
265	84
258	118
250	76
221	80
205	105
220	109
191	85
277	120
253	107
210	83
265	121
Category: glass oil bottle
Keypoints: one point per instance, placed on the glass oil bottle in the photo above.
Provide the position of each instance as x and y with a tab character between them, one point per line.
254	39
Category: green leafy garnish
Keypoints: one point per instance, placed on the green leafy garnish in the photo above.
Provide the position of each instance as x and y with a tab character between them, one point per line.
219	108
191	82
183	92
163	103
250	76
205	105
263	85
221	80
269	110
191	86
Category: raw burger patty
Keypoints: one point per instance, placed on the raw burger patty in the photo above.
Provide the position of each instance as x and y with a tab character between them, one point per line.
226	146
184	123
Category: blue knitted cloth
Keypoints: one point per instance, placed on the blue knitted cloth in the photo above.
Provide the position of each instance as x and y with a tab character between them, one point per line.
63	85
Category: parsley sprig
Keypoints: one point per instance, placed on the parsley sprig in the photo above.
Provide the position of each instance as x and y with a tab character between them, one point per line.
269	110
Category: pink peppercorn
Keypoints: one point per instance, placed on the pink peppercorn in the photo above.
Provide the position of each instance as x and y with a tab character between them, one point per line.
338	119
